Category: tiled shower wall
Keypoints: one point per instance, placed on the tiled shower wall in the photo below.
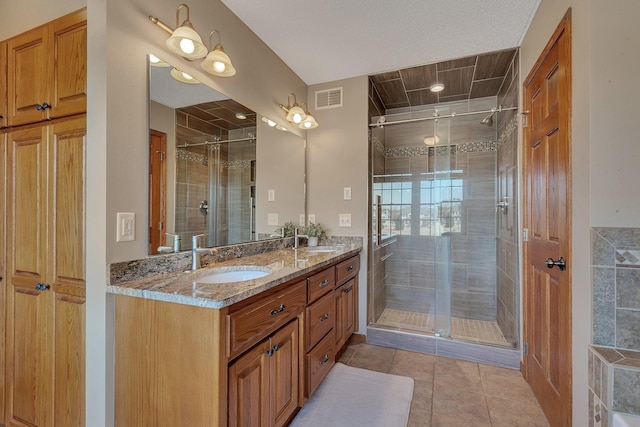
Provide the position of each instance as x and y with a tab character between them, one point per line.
507	236
614	358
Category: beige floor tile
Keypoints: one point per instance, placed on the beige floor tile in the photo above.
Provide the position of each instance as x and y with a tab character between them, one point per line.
456	375
346	355
459	409
418	366
372	357
504	382
422	395
506	412
419	418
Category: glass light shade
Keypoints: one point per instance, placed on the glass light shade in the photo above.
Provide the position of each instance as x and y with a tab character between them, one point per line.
218	63
431	140
270	122
436	87
183	77
186	42
296	114
157	62
308	123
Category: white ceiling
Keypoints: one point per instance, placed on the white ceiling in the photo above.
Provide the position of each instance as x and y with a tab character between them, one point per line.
327	40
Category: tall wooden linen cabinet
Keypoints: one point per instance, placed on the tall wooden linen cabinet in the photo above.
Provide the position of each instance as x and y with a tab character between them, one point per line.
42	224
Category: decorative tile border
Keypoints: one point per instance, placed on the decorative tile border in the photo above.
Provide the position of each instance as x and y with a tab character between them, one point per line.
424	150
191	156
628	257
509	129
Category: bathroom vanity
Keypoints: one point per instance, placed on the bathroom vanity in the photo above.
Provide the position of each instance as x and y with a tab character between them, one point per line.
189	352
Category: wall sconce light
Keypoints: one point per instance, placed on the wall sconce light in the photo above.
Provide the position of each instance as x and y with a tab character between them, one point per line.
296	114
157	62
217	61
183	77
185	41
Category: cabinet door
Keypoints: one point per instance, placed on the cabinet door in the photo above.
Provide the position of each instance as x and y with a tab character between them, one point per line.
346	312
66	267
3	84
68	62
3	272
29	326
249	388
28	76
284	371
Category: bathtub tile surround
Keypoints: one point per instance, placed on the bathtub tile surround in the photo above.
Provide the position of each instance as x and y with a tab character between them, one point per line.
614	358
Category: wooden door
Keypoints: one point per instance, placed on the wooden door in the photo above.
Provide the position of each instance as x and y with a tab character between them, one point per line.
249	388
3	84
28	76
66	267
547	216
157	190
284	373
29	327
68	62
345	312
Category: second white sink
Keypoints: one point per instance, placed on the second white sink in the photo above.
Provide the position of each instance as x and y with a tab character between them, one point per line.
232	274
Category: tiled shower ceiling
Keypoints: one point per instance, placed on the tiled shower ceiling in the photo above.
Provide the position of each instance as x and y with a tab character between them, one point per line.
464	78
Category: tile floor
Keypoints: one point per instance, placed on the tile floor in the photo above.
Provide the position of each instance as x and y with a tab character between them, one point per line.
454	393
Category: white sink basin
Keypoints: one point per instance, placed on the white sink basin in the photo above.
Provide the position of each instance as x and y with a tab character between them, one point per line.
232	274
320	249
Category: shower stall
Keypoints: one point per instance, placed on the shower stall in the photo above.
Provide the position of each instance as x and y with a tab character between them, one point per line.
443	248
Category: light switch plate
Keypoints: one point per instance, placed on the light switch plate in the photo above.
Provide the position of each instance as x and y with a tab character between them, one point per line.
344	220
272	219
312	218
125	226
271	195
347	193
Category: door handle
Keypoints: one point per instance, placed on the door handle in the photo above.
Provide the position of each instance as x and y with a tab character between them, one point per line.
561	263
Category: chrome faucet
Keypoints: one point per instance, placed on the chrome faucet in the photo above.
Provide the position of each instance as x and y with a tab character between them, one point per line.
175	245
196	251
297	236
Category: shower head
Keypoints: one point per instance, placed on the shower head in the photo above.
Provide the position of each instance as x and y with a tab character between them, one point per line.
488	121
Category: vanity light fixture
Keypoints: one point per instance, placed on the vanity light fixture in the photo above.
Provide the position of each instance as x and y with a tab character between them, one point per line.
270	122
436	87
185	41
295	113
309	122
217	61
183	77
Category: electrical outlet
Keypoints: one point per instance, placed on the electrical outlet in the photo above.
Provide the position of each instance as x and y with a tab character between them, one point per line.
271	195
272	219
125	226
344	220
312	218
347	193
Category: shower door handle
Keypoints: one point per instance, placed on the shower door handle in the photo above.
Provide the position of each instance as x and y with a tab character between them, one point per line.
378	220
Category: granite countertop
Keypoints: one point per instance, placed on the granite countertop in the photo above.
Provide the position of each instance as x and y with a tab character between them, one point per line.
185	288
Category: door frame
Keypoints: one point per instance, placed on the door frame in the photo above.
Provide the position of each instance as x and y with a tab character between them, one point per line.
159	165
564	29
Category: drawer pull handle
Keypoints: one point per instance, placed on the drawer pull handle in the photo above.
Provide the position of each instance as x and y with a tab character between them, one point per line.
324	317
346	291
324	283
350	268
42	107
279	310
324	360
42	286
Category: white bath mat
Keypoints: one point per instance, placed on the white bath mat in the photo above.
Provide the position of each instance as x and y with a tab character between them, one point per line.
353	397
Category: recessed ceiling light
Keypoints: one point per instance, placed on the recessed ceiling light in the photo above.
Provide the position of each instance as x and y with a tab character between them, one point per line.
437	87
241	116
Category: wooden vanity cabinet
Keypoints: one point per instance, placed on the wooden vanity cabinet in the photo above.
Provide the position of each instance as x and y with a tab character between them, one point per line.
3	84
346	300
46	71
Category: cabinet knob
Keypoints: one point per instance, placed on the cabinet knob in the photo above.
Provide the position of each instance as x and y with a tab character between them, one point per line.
350	268
279	310
276	347
270	352
324	317
42	286
346	291
43	106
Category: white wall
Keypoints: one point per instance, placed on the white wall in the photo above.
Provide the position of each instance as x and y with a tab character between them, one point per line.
337	157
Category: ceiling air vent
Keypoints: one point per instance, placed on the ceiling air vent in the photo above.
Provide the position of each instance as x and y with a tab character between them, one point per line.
329	98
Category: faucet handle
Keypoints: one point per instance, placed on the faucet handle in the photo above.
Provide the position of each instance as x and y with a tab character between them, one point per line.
195	240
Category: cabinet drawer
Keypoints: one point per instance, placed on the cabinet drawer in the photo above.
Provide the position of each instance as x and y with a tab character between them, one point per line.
319	362
253	322
321	317
320	283
347	269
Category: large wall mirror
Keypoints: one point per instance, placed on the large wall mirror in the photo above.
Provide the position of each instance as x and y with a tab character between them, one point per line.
216	167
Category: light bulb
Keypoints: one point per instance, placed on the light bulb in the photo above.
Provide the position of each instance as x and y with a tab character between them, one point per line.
271	123
186	76
187	46
297	118
219	66
307	124
153	59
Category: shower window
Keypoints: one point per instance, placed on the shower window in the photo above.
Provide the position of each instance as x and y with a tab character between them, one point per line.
440	206
396	203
